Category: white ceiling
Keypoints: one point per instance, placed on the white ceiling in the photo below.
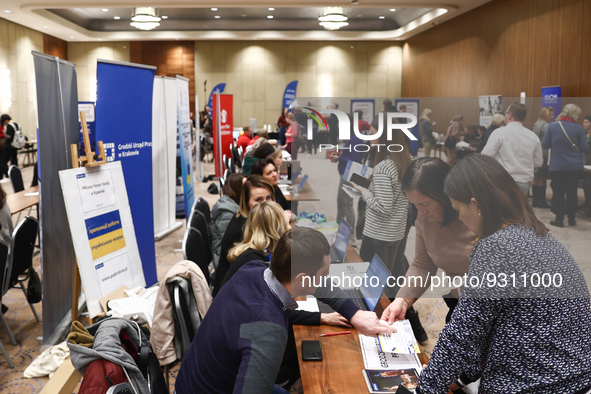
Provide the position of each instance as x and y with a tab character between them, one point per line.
37	15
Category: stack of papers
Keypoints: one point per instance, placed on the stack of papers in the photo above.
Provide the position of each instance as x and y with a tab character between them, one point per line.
402	341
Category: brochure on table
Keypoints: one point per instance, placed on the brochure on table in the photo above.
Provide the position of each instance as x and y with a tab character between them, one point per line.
102	231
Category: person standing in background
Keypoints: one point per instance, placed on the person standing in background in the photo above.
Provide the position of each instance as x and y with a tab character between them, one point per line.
516	147
567	141
283	124
333	127
245	138
9	152
3	122
541	174
427	132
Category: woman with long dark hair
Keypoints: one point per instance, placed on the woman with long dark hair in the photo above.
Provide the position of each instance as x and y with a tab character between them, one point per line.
513	331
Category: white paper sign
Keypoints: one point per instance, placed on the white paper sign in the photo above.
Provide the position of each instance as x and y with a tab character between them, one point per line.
102	231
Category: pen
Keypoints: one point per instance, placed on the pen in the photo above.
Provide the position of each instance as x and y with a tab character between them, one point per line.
335	333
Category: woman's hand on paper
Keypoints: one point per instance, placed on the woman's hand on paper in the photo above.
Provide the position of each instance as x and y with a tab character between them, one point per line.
369	324
395	311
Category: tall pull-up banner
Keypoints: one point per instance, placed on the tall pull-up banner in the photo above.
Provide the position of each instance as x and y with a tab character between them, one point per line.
124	124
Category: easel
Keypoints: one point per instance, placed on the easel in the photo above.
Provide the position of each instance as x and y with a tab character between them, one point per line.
90	160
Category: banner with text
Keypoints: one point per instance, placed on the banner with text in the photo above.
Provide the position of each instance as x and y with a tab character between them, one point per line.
412	107
289	93
551	97
219	88
124	124
227	126
489	105
102	231
184	133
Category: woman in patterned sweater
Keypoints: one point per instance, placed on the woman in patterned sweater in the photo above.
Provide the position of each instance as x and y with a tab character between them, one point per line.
523	323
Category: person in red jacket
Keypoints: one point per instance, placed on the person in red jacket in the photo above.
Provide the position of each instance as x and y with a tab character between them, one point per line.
244	138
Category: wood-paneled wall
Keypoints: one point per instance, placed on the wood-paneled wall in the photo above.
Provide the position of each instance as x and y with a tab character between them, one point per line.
53	46
503	47
171	58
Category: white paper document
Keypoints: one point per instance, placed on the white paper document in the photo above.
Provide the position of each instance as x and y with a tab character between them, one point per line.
402	341
374	358
309	305
351	192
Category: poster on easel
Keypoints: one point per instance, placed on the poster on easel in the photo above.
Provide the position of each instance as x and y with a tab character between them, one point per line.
488	106
102	231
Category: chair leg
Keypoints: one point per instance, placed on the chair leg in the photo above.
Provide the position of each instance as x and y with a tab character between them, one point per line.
31	305
8	360
10	335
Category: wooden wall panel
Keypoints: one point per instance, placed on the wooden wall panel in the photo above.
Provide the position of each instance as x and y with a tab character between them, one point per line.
503	47
53	46
171	58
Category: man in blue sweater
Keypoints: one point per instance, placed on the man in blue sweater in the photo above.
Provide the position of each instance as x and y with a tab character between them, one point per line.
239	345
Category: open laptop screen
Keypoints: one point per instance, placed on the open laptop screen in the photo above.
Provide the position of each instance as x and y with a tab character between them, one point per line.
372	294
342	239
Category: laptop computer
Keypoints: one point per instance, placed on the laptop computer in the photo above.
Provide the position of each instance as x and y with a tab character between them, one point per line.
339	247
367	296
303	182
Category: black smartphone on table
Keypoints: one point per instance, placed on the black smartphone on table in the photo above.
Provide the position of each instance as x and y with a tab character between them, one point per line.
311	351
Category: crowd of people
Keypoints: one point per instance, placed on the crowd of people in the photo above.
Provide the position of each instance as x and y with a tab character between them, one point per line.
473	219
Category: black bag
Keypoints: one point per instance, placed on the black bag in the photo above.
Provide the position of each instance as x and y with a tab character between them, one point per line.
213	189
34	292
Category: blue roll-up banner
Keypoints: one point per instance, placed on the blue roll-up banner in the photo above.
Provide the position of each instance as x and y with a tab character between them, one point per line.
218	88
184	133
289	94
89	111
412	107
124	124
551	98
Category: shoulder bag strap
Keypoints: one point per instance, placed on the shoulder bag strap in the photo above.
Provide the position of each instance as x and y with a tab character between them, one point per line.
566	135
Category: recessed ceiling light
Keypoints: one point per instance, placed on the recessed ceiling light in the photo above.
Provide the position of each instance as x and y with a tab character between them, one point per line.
392	9
100	39
244	15
269	16
271	9
117	17
359	16
164	17
7	11
45	27
217	17
105	9
72	37
214	9
382	17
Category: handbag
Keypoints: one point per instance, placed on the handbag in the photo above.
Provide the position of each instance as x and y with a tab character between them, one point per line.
569	140
34	293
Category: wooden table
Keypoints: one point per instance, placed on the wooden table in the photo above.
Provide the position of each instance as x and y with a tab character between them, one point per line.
18	202
306	193
340	371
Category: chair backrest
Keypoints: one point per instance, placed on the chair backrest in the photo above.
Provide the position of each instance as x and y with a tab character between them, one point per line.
183	327
194	249
3	267
236	157
22	246
197	221
203	207
16	178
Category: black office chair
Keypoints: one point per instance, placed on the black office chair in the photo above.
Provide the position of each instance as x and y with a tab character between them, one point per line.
203	207
236	157
3	261
20	259
16	178
197	220
195	249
